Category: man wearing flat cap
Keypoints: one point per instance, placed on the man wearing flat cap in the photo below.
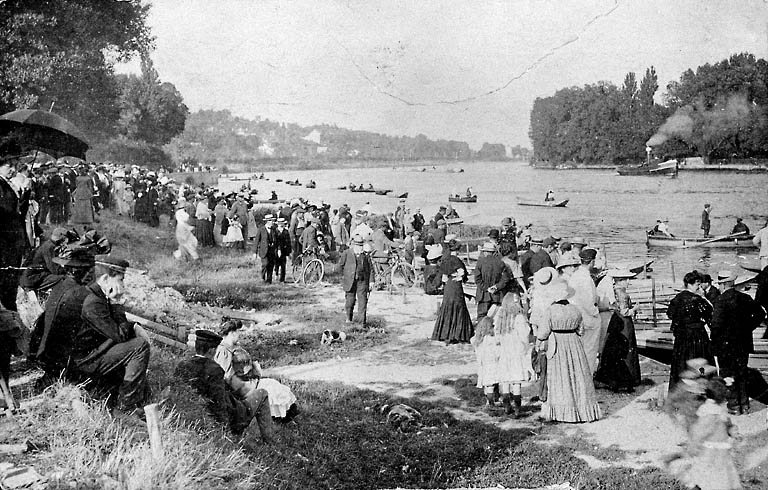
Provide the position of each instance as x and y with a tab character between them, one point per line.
492	279
534	259
107	346
207	378
734	317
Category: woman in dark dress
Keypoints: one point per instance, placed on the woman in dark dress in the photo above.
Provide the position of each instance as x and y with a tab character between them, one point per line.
433	282
689	313
453	324
619	367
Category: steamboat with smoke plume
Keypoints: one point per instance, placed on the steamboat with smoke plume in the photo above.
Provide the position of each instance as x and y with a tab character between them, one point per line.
670	167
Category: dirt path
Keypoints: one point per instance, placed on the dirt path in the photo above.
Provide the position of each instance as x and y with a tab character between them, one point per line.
413	366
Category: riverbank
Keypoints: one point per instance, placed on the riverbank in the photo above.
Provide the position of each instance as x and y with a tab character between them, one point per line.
341	438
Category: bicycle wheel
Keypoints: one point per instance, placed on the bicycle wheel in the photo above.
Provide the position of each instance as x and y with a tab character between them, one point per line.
403	276
297	270
313	273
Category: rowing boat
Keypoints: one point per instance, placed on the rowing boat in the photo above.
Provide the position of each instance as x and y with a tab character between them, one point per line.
744	241
355	189
544	204
383	192
455	198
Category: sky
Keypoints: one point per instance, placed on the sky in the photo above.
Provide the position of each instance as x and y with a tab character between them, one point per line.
462	70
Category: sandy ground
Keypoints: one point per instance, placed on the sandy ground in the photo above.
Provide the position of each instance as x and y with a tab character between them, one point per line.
412	365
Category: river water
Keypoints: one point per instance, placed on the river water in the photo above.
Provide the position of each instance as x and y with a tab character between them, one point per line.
604	207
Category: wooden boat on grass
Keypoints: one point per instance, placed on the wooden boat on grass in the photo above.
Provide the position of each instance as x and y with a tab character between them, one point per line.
544	204
458	198
725	241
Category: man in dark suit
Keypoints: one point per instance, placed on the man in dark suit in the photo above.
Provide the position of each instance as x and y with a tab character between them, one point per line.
533	259
734	317
207	378
264	243
107	348
282	248
356	268
710	292
491	277
53	338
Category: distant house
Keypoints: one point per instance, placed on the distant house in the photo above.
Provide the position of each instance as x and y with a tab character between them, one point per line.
265	150
314	136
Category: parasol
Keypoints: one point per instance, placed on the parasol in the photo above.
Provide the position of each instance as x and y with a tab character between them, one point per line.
44	131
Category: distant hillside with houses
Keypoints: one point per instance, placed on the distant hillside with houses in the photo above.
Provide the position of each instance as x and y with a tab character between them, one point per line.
218	137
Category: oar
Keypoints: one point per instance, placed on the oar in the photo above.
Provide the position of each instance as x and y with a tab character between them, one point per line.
716	239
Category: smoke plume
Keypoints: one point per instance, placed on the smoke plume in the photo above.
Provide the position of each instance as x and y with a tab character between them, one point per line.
697	124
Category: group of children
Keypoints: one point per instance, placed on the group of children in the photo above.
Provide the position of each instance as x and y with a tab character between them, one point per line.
503	347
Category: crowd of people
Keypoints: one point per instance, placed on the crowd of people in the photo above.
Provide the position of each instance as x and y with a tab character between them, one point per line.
549	312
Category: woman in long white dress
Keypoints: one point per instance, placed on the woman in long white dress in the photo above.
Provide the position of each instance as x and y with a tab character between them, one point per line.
184	234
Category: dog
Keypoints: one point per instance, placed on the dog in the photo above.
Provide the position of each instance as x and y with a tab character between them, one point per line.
332	337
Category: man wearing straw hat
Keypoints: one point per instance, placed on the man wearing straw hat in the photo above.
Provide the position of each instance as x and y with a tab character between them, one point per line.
356	268
734	317
107	347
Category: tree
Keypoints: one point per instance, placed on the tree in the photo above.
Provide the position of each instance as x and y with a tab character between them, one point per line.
150	110
60	53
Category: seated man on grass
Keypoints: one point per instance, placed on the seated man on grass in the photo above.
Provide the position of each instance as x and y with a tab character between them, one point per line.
207	378
108	349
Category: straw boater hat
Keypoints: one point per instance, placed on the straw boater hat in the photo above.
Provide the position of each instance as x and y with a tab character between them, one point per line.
434	251
488	247
620	273
726	276
567	260
111	262
281	221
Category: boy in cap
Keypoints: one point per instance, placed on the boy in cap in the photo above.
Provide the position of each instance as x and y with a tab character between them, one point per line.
106	346
356	268
207	378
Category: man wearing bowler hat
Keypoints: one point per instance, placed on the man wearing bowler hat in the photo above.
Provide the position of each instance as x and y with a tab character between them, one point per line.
207	378
356	267
107	348
735	315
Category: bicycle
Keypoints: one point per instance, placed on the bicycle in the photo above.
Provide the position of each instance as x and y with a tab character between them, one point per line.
308	269
395	275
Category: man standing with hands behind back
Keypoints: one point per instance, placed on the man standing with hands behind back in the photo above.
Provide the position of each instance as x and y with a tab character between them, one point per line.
356	268
705	219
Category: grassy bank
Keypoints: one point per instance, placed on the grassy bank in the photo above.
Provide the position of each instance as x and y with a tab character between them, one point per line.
340	440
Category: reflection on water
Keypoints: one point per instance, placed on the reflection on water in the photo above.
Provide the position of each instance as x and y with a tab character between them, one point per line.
604	207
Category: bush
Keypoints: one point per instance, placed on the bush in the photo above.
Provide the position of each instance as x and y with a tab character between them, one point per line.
129	152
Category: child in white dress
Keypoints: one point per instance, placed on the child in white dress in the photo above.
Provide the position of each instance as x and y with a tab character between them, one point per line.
488	353
513	332
234	232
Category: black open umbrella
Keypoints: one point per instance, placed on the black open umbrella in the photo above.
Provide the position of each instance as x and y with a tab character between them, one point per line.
44	131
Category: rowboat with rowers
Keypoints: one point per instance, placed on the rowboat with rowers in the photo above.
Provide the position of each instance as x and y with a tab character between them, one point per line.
736	240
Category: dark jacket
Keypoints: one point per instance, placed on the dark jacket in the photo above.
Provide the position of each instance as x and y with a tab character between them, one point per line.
207	378
41	267
283	242
734	318
350	273
490	271
54	338
265	241
531	262
712	294
104	325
